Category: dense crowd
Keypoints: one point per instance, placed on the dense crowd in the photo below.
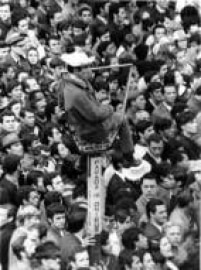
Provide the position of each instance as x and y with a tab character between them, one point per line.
80	73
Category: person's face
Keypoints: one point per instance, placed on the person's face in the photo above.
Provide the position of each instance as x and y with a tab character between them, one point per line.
16	108
66	33
142	115
23	3
101	95
159	33
197	175
56	134
148	132
174	235
59	221
5	13
183	44
32	85
29	119
62	150
82	260
140	102
57	184
190	127
9	123
157	95
168	181
3	53
31	220
170	94
124	225
10	73
16	92
160	215
51	264
86	16
136	263
165	247
163	70
156	148
23	26
32	57
122	15
148	262
34	198
149	188
170	132
31	242
108	223
181	57
77	31
113	86
17	149
55	46
41	106
142	243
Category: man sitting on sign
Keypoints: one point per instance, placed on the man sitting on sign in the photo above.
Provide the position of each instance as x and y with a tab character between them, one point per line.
93	122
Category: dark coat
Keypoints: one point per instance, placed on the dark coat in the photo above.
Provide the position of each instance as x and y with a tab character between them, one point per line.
90	119
11	189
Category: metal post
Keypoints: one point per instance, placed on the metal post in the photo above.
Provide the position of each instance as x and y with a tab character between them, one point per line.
95	203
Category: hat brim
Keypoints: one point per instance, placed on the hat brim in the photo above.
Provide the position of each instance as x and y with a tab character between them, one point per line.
136	173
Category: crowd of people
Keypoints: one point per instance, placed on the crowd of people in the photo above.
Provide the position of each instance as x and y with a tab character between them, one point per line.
125	74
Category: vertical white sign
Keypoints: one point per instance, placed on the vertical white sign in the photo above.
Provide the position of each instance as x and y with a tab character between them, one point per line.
95	195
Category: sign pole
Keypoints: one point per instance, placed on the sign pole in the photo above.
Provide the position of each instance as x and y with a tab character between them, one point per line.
95	203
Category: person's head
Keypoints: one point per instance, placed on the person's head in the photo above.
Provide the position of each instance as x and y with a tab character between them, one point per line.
8	121
35	178
48	256
15	106
166	128
32	56
173	232
54	45
11	164
123	219
85	14
77	219
4	50
144	129
156	145
59	150
166	248
5	12
78	27
28	116
187	123
147	260
166	176
30	84
38	102
80	259
139	102
170	94
58	66
52	134
28	195
141	115
54	182
134	239
15	91
159	32
156	211
12	144
52	197
129	260
149	186
56	215
28	215
155	91
20	21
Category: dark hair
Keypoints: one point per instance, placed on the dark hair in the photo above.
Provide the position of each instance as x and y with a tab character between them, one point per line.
6	113
154	138
23	193
158	26
52	197
126	258
54	209
117	159
32	177
152	205
18	15
185	117
76	219
47	250
149	176
162	124
130	237
143	125
154	86
11	163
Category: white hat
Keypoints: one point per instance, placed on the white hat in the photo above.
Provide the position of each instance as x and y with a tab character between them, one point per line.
77	59
195	166
136	173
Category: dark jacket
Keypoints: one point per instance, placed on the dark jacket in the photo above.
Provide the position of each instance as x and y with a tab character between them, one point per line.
90	119
11	189
6	232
